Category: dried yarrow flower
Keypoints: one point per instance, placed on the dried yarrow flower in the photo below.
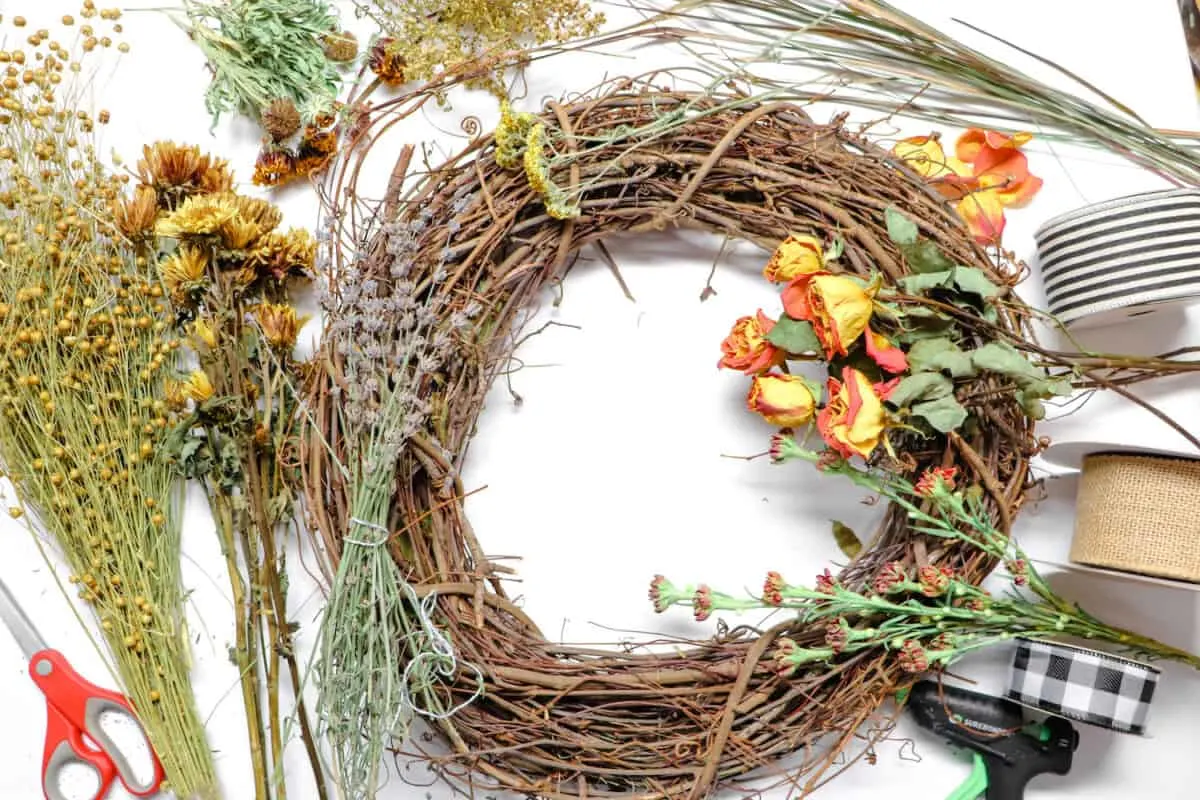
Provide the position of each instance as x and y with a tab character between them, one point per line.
280	119
773	589
702	606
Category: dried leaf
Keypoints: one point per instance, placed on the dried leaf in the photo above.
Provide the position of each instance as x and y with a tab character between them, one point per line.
847	540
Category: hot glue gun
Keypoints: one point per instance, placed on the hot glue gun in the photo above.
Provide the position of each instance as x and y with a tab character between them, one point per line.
1008	753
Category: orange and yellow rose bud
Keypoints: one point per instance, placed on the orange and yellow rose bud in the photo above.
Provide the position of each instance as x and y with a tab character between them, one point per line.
838	308
783	400
795	256
888	356
746	347
853	420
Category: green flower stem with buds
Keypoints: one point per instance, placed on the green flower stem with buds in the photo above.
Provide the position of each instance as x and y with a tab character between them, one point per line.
930	616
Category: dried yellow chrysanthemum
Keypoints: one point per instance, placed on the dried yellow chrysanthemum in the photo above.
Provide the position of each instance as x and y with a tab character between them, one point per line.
198	387
202	332
200	215
281	254
279	324
135	214
182	269
183	169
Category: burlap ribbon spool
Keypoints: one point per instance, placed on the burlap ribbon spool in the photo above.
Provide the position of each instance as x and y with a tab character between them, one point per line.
1140	514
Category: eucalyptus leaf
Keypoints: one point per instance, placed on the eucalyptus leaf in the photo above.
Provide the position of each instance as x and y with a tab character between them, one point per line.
975	281
794	336
940	355
943	415
925	256
922	282
1006	360
900	228
924	386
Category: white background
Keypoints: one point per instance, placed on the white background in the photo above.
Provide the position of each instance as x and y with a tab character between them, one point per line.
615	467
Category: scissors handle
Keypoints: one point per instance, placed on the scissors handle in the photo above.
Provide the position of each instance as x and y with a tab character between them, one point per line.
75	707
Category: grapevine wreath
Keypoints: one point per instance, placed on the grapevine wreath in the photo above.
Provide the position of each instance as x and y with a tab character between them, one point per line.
488	230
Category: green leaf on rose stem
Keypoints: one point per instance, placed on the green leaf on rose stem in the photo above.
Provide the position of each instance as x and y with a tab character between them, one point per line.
973	281
900	228
794	336
924	386
925	256
943	415
847	540
940	355
922	282
1004	359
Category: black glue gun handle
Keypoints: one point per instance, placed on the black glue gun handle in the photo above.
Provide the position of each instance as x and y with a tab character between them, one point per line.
1007	781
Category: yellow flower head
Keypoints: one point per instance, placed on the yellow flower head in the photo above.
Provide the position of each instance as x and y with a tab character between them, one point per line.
795	256
182	269
253	219
838	308
166	165
135	215
511	133
203	333
281	254
854	418
783	400
197	387
200	215
279	324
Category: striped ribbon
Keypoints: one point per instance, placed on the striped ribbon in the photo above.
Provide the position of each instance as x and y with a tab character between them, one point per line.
1123	258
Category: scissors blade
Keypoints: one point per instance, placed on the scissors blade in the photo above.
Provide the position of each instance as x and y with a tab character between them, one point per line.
27	636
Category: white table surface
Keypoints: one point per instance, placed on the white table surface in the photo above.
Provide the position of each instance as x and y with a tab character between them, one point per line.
598	483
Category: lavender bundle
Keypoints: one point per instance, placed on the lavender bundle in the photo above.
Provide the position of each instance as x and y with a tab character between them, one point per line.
381	654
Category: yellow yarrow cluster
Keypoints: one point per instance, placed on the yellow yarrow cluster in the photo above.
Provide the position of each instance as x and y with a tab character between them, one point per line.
537	172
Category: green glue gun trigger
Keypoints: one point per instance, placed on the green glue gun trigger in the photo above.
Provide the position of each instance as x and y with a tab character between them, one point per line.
1007	752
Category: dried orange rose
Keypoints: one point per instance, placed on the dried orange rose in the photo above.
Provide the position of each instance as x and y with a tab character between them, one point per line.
795	256
837	307
746	347
783	400
853	420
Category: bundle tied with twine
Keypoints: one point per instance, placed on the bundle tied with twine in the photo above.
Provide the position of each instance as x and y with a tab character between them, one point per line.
480	239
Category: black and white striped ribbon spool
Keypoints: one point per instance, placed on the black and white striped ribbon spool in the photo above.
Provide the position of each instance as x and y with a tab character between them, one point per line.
1081	684
1122	258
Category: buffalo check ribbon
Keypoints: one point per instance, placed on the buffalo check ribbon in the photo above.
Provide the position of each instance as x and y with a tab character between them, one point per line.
1082	685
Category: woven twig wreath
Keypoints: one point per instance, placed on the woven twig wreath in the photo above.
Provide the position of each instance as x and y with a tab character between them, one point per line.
559	721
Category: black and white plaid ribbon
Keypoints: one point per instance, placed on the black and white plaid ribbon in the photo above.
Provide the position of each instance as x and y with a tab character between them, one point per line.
1082	685
1123	258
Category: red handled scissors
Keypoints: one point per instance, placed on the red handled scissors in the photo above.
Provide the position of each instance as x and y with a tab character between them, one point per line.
74	709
